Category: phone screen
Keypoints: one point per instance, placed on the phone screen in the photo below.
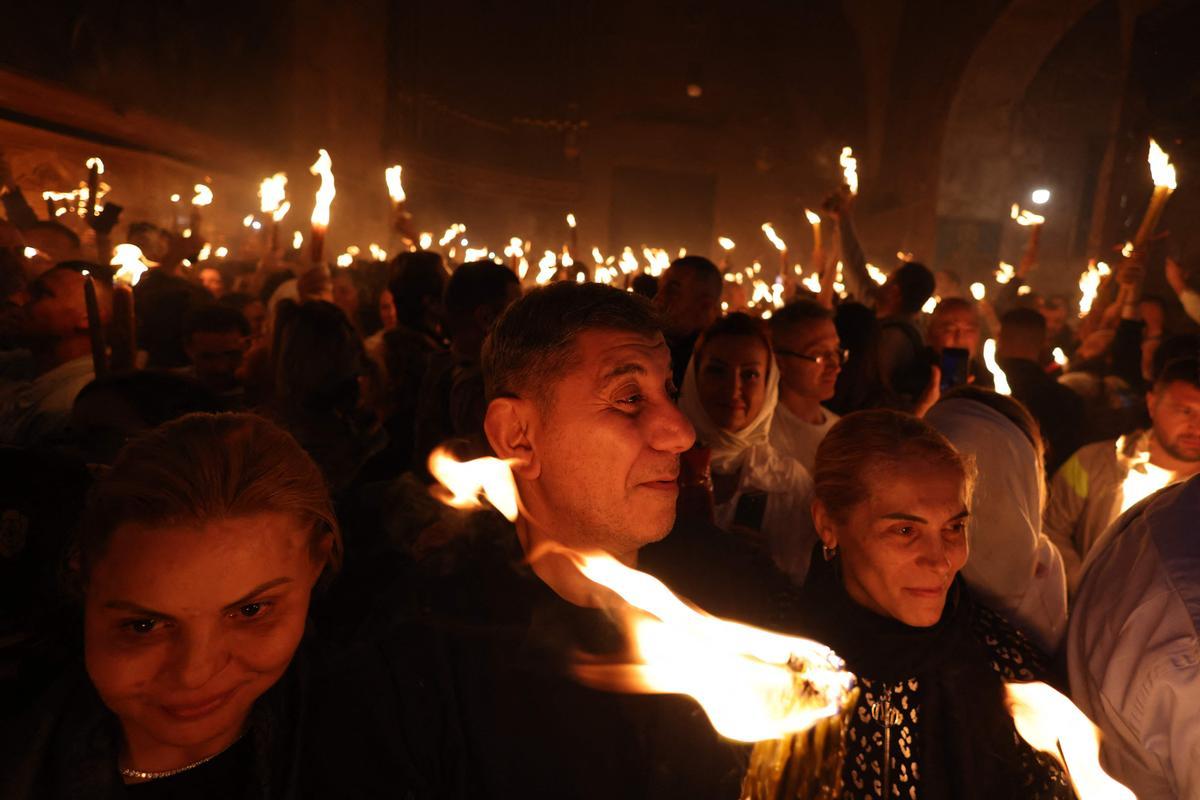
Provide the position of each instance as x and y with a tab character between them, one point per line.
955	363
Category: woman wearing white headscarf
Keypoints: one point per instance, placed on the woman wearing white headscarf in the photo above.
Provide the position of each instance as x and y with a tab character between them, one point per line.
729	393
1012	565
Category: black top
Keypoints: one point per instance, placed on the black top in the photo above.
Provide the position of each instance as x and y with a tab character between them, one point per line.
224	776
1059	411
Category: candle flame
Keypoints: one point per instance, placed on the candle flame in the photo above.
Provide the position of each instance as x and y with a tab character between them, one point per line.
1040	196
812	283
395	189
1025	217
1059	357
753	684
297	240
1089	285
272	192
769	230
930	305
1005	273
454	230
203	196
205	252
281	212
1051	723
377	252
999	379
97	163
571	220
725	242
1142	479
175	198
247	220
849	166
877	275
31	252
597	256
813	217
425	240
323	167
345	260
131	263
1127	249
978	291
1162	172
221	252
547	268
628	263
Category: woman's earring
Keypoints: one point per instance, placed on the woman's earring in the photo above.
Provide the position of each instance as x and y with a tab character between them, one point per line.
829	553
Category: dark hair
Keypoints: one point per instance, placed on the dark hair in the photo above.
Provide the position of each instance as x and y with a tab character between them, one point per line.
645	285
214	319
1185	370
735	324
702	268
799	312
1026	324
533	341
50	226
318	358
273	282
205	467
1183	345
416	277
1008	407
861	445
479	283
915	283
237	301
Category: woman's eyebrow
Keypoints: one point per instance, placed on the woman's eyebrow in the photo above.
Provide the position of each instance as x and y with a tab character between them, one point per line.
257	590
125	605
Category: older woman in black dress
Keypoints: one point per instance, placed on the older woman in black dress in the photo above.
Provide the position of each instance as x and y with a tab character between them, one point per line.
891	506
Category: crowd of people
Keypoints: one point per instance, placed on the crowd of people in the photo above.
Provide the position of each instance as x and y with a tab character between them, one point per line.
226	572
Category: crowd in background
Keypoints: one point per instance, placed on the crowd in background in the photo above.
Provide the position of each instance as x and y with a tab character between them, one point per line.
361	372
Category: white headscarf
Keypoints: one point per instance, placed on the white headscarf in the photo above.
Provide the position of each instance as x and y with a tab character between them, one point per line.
1012	564
729	448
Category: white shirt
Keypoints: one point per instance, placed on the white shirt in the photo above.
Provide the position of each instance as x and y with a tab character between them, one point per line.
1133	651
798	438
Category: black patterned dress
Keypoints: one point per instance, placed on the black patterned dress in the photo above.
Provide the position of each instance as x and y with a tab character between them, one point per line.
883	739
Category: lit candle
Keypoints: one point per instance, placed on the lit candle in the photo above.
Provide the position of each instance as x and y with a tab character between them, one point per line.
95	326
814	219
203	197
849	166
323	167
572	224
1162	172
272	193
780	245
95	170
402	219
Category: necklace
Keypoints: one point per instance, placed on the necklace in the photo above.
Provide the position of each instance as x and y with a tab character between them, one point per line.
138	775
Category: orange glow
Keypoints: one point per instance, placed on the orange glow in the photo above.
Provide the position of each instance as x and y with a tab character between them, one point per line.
1143	478
467	482
131	263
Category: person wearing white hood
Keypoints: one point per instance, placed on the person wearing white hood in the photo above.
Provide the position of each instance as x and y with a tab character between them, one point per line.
730	392
1013	566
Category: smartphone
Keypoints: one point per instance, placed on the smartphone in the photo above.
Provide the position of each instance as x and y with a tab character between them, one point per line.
955	364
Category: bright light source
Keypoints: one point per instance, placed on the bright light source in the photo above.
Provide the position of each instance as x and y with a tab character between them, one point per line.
1040	196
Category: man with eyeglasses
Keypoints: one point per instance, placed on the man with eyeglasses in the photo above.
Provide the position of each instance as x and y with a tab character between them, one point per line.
810	357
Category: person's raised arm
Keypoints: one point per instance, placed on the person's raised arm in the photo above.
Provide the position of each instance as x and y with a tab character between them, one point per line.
854	262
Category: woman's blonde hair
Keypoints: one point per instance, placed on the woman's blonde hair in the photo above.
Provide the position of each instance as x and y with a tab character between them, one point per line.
205	467
861	448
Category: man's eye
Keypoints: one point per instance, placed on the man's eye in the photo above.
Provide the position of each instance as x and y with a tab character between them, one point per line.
252	610
141	627
631	399
905	530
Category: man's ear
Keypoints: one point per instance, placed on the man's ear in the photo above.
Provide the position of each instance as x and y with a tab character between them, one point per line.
507	425
824	524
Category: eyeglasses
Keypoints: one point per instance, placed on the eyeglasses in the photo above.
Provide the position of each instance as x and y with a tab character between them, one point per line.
837	357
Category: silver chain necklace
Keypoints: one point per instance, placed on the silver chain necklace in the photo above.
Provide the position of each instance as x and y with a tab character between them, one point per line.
138	775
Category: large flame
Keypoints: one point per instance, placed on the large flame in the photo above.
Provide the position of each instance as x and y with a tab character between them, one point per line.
753	684
999	379
849	166
1051	723
323	167
131	262
1089	285
774	237
395	189
271	192
1162	172
1143	478
203	196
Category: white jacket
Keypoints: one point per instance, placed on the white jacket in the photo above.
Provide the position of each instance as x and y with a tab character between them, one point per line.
1012	565
1132	646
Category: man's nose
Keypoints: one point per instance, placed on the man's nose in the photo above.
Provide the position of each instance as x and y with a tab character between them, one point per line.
669	429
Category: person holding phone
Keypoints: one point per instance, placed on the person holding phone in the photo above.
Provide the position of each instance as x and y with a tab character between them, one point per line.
730	394
953	334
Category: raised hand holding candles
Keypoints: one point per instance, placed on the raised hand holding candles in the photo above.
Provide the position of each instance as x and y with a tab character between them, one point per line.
1162	172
